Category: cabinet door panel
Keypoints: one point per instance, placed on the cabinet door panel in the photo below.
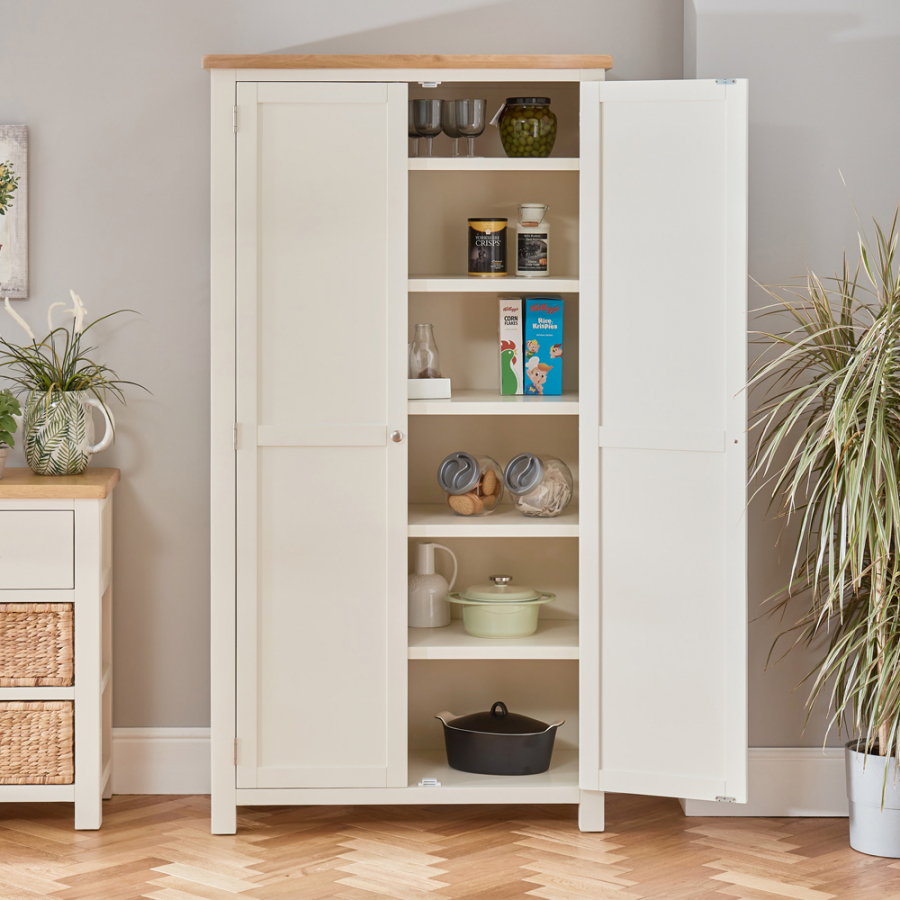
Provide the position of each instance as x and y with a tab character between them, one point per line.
673	418
321	324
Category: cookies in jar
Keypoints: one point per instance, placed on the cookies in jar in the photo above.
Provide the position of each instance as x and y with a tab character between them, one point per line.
472	485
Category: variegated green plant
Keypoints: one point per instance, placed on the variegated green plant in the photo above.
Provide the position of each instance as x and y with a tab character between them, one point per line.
9	407
60	362
828	456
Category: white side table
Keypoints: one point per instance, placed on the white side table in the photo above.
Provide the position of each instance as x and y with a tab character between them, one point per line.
56	547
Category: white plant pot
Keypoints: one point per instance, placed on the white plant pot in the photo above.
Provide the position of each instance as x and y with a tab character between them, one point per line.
58	432
874	793
4	452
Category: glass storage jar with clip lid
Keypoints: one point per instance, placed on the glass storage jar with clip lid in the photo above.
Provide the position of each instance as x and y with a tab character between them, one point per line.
472	484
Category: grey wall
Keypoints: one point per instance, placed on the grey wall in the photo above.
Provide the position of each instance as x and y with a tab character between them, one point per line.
823	98
117	107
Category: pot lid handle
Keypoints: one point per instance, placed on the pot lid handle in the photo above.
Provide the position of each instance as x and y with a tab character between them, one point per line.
501	581
502	707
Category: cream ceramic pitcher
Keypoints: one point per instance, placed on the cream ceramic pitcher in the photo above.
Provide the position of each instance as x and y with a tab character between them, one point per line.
58	434
428	605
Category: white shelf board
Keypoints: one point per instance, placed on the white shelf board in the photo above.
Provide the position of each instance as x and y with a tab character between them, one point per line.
37	693
37	793
455	284
554	639
427	520
493	164
559	784
491	403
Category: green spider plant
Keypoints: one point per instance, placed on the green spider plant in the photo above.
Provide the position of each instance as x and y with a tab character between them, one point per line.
60	361
828	455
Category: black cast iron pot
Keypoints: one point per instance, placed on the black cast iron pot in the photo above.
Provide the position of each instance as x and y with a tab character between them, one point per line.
498	742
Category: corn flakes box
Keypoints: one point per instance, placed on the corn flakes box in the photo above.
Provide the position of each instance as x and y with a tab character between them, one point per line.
511	320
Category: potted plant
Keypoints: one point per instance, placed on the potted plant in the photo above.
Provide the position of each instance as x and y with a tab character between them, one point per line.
828	456
62	384
9	407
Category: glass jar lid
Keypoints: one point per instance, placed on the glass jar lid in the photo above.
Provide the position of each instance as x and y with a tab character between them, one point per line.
458	473
527	101
523	473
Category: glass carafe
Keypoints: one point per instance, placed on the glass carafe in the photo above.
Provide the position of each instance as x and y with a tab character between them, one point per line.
424	358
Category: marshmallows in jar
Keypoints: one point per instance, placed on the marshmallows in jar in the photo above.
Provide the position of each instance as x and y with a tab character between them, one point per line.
539	486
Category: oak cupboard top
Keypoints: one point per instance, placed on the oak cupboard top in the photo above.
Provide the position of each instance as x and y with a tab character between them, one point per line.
23	484
405	61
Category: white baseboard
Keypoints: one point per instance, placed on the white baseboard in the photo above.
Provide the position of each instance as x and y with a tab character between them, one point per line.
783	781
786	781
160	761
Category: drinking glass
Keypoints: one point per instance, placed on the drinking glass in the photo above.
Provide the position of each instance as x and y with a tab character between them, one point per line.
427	121
470	120
448	123
413	134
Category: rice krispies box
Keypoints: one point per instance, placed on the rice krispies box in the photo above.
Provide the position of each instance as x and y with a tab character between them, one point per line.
543	342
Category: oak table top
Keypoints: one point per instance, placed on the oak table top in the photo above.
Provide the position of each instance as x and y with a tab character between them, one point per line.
23	484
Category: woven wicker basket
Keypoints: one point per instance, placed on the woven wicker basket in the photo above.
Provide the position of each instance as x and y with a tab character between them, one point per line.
36	644
37	742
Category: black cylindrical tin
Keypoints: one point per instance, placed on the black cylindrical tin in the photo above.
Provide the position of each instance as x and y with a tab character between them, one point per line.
487	247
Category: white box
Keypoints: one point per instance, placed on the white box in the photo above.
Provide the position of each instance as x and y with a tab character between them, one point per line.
428	388
512	324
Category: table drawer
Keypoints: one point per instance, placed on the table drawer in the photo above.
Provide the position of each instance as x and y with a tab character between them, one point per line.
37	549
38	745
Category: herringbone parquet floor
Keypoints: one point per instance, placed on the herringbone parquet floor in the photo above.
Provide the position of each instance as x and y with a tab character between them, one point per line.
160	848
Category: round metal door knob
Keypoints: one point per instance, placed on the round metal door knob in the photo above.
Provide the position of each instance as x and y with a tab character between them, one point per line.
396	436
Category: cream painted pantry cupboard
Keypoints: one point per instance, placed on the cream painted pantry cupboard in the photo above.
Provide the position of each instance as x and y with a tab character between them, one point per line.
328	244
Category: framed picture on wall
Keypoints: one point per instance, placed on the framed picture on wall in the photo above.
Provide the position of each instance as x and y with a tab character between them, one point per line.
13	211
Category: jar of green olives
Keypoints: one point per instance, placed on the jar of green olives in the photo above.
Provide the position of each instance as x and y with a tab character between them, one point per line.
527	126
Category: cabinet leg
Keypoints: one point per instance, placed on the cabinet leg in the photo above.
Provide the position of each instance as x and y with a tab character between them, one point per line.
224	817
591	808
88	813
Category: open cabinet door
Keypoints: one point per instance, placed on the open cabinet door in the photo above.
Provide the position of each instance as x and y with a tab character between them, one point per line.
673	291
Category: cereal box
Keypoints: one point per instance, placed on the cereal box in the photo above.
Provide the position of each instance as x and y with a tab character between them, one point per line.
511	345
543	337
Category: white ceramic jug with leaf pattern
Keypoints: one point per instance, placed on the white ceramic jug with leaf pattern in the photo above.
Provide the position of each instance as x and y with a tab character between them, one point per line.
58	431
